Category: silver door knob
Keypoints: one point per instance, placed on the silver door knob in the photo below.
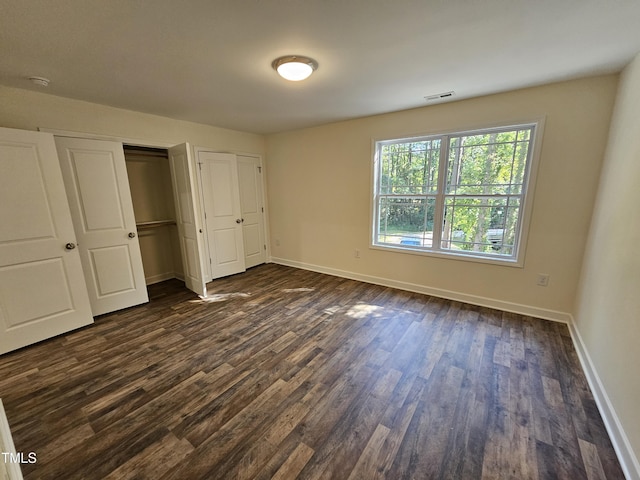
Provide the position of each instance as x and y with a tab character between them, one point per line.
70	246
132	235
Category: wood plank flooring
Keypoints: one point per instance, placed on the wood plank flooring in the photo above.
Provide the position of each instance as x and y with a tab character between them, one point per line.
285	374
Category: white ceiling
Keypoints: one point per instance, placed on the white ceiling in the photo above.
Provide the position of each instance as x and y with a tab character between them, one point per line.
209	61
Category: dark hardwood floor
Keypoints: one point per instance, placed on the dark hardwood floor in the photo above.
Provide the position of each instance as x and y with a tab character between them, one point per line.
285	374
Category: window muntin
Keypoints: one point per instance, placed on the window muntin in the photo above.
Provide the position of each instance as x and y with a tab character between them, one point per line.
406	220
459	193
410	167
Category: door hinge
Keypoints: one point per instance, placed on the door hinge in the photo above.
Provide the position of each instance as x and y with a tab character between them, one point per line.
262	209
259	169
265	247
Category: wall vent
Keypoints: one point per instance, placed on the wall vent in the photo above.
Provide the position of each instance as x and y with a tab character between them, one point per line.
439	96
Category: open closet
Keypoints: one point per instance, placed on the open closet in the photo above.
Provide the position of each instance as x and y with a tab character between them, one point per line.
154	210
89	223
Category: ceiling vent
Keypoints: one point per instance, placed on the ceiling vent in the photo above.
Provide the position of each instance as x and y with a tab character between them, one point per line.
439	96
40	81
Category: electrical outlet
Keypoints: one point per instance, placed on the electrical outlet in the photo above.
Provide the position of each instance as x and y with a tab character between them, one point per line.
356	253
277	242
543	279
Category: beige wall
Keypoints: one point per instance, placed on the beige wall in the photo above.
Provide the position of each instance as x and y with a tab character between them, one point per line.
30	110
319	191
608	301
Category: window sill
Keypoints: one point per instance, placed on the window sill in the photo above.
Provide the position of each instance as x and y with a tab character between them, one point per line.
503	262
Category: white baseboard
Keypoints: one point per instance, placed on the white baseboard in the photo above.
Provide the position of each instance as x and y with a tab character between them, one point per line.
163	277
619	439
531	311
159	278
7	469
626	456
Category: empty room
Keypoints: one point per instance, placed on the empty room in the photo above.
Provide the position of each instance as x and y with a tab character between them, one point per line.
319	239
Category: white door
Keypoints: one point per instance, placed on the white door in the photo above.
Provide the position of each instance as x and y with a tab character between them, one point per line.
42	289
223	216
251	204
190	229
95	177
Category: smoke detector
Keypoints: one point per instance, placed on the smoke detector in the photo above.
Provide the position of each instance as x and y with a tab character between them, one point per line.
40	81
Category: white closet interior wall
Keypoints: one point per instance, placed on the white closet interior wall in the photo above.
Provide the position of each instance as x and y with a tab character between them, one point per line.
151	192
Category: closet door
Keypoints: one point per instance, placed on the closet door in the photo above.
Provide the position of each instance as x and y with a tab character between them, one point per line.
251	203
42	289
95	177
223	215
189	226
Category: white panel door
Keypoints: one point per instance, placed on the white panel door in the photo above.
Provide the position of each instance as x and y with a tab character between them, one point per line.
42	288
190	229
95	177
251	204
223	216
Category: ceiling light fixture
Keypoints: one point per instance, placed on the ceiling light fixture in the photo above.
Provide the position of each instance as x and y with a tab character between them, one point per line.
294	67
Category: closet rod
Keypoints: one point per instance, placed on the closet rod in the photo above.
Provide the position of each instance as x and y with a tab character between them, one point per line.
145	151
154	224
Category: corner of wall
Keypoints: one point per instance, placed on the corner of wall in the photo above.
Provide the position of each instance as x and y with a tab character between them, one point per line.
604	320
628	460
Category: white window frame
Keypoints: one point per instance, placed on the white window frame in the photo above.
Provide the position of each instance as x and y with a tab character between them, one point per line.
528	187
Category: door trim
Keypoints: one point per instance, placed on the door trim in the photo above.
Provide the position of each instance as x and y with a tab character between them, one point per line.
137	142
6	442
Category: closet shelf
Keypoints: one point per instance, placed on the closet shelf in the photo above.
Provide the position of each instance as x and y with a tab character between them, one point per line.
154	224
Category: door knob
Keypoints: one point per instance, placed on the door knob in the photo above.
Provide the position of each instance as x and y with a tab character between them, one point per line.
238	220
70	246
132	235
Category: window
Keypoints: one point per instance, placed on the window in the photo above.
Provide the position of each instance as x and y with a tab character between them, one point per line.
454	194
